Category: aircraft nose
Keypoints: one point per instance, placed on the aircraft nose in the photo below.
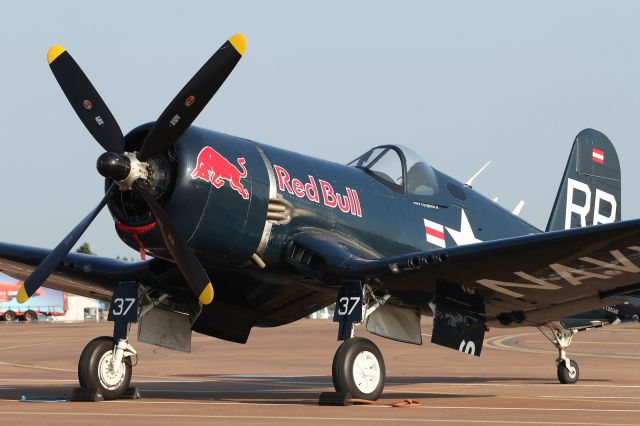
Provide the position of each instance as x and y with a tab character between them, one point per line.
233	220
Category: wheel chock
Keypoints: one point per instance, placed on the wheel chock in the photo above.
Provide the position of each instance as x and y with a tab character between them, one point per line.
340	399
131	393
89	395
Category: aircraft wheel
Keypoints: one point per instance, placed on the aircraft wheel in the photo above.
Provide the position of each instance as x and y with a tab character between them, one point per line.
565	376
358	368
30	316
10	316
95	369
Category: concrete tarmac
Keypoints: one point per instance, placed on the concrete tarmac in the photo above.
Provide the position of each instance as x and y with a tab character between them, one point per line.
277	377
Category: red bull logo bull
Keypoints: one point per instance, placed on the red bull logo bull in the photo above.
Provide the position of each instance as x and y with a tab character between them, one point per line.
213	167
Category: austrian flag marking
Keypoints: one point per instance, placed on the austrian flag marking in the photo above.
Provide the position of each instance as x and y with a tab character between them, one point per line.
435	233
597	155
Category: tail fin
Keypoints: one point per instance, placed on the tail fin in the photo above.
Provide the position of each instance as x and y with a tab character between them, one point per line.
589	193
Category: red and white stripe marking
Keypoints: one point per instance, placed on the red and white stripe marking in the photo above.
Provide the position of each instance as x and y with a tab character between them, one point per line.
435	233
597	155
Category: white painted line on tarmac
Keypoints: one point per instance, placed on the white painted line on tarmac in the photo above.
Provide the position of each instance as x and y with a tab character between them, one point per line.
518	385
257	392
431	407
297	385
590	410
590	342
262	376
328	383
40	381
302	418
589	397
306	418
25	346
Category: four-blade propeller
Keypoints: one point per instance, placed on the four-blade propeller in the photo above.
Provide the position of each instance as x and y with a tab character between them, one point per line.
128	170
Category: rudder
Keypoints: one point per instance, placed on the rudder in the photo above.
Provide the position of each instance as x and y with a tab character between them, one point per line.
590	190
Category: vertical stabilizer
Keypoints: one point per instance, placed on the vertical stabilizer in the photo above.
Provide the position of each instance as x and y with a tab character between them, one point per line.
589	193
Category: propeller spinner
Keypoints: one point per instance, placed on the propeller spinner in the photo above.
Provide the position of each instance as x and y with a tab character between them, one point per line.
128	170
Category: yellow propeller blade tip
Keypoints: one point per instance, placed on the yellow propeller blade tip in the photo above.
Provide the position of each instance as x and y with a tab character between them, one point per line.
239	42
22	295
207	295
54	52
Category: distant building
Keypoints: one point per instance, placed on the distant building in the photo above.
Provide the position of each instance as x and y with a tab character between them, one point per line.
80	308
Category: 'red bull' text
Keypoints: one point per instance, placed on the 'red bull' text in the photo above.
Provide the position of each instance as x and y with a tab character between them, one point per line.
347	203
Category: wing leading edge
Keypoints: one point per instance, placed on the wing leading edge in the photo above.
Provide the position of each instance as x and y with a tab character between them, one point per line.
81	274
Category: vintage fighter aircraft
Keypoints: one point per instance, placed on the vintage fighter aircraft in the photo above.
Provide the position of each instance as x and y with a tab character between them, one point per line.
279	235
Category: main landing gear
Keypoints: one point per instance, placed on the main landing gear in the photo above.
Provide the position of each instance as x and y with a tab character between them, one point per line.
358	366
105	365
568	371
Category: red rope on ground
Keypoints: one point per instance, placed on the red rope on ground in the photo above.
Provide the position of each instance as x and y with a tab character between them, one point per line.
407	403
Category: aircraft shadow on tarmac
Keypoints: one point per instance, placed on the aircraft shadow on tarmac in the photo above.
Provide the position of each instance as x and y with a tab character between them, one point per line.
265	391
274	390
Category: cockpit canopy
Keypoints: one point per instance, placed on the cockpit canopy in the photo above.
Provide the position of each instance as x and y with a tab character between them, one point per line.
400	168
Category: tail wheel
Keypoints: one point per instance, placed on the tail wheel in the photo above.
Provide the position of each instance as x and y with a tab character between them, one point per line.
565	376
358	368
30	316
10	316
96	369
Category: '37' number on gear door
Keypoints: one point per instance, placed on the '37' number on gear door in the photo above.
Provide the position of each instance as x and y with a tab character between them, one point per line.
346	305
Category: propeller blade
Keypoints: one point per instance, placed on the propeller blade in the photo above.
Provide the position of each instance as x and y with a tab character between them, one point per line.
53	259
184	257
85	100
193	97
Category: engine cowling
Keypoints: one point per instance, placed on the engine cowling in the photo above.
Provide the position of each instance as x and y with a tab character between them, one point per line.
215	188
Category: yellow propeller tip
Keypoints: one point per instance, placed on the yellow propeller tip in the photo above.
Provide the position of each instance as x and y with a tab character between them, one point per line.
207	295
22	295
239	42
54	52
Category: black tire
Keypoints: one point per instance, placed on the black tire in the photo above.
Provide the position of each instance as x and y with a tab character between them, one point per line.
563	373
342	369
30	316
10	316
89	368
82	362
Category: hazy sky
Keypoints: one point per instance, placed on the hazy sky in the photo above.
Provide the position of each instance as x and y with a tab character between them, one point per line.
459	82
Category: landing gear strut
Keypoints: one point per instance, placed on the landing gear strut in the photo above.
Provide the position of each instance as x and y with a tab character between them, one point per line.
358	366
568	371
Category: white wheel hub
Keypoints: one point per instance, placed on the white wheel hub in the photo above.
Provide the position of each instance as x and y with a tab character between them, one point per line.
110	378
366	372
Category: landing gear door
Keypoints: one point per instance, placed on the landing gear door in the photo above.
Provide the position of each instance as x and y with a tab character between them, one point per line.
124	308
348	308
457	328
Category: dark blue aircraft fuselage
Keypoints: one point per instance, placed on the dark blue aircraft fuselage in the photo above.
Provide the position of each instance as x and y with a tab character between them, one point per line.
240	203
222	189
225	227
